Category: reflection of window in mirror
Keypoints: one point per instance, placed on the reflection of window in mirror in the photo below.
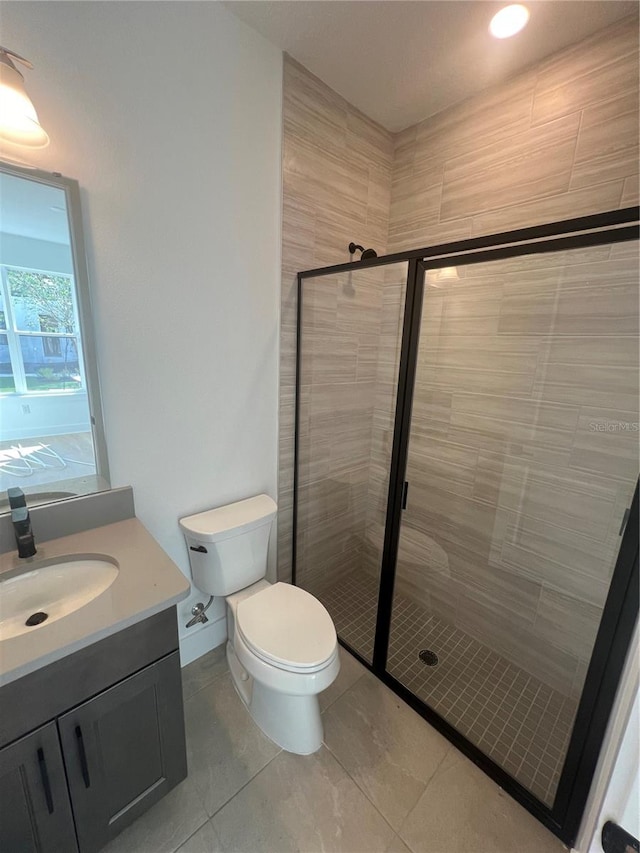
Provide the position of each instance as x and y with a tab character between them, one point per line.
51	439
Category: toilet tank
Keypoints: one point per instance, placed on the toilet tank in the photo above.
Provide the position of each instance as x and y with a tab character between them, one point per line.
228	545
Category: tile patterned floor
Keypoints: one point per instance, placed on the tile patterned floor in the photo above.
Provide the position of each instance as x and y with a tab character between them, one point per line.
353	604
518	721
383	782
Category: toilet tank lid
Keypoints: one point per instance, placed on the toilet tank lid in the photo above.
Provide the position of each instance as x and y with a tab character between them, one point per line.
231	519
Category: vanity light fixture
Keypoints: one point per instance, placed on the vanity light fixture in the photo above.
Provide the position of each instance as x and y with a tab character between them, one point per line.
509	21
18	119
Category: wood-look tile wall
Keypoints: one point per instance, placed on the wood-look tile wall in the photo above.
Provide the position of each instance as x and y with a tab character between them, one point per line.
524	452
556	142
338	365
349	363
516	494
336	188
559	141
390	343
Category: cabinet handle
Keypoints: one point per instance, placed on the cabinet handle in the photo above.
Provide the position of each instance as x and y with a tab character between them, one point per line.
44	775
84	767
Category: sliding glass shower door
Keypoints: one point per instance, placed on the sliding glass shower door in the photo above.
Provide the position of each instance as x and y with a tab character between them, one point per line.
465	488
522	461
349	338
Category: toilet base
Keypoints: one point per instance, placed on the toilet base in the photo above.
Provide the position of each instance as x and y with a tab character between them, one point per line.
291	722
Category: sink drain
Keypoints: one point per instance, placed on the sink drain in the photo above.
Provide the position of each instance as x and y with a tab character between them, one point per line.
36	618
428	657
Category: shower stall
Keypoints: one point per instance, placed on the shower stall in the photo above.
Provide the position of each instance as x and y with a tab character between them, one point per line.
465	487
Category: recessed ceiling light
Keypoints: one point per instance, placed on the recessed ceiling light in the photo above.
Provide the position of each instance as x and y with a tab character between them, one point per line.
509	21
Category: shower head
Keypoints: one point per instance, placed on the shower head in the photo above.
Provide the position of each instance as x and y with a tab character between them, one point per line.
366	253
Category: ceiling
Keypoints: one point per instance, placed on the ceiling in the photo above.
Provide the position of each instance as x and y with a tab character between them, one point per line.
31	209
401	62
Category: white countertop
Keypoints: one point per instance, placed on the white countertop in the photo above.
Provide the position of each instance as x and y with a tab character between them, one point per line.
148	582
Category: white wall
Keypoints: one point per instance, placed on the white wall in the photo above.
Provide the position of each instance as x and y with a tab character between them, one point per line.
614	792
622	803
169	116
19	251
37	415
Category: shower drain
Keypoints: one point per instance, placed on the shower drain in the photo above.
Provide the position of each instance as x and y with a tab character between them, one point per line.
428	657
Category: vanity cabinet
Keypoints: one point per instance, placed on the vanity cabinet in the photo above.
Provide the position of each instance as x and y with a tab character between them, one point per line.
108	750
35	813
123	751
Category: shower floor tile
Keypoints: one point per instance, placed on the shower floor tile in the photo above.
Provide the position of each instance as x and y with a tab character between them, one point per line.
353	605
518	721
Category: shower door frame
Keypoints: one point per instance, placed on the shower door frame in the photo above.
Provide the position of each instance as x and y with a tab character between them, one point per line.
620	612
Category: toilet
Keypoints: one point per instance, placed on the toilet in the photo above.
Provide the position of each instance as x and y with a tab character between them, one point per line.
282	647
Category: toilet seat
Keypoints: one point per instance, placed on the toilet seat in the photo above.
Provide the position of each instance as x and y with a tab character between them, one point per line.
287	627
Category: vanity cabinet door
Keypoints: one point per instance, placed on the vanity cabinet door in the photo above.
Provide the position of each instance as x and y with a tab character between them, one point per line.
123	750
35	814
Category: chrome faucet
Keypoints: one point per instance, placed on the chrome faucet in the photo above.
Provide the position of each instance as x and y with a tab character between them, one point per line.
21	521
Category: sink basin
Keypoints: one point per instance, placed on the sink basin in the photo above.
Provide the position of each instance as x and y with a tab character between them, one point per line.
45	592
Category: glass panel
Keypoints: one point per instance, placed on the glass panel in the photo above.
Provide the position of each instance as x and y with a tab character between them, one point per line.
350	353
50	364
523	458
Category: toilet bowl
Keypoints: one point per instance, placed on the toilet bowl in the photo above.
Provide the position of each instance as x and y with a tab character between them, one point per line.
282	647
278	664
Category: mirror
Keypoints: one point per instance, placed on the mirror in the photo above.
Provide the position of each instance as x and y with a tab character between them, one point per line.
51	431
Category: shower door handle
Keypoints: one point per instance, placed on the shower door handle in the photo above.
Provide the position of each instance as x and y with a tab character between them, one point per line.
405	492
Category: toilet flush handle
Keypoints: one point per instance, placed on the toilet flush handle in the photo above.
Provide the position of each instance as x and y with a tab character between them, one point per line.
200	549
